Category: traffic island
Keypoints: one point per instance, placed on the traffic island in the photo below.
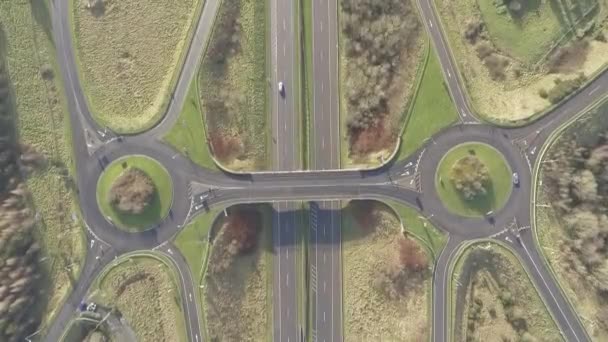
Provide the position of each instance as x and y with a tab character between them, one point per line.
473	179
135	193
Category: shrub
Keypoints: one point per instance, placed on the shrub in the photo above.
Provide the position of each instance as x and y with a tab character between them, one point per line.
470	177
132	191
561	89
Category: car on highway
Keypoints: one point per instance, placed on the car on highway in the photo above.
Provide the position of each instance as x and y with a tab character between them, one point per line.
281	88
515	178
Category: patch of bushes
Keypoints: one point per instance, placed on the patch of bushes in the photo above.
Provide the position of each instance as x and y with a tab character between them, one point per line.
238	235
405	272
132	192
20	272
470	177
569	57
494	62
562	88
577	182
378	36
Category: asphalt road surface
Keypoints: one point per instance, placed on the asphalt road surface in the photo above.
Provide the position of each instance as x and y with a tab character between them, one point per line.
286	132
95	148
325	245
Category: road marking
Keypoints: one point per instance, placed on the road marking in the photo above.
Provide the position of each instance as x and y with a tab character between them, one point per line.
287	280
190	295
430	23
284	50
284	26
324	286
321	26
321	55
323	316
287	253
324	257
449	74
170	251
323	143
594	90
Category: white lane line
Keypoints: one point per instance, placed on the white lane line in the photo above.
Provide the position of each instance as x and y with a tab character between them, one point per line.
323	143
287	253
324	257
284	50
594	90
430	23
284	25
449	74
287	280
550	292
321	25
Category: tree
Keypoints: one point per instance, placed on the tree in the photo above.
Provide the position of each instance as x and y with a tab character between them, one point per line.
132	191
470	177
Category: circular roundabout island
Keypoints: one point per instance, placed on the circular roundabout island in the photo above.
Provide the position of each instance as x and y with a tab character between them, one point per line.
135	193
473	179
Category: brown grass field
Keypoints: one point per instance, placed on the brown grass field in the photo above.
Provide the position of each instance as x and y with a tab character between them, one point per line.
370	242
237	287
145	292
128	52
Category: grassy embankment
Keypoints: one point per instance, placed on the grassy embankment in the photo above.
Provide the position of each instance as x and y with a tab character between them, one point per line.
129	53
498	188
495	300
387	276
509	58
188	135
145	291
159	205
43	123
234	86
432	109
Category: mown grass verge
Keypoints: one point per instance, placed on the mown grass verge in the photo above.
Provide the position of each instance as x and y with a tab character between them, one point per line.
420	227
188	135
43	123
234	86
432	109
128	74
158	207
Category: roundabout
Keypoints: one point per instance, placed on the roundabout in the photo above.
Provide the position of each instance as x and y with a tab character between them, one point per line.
127	181
456	178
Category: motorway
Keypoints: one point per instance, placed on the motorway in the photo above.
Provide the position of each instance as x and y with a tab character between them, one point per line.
325	249
408	181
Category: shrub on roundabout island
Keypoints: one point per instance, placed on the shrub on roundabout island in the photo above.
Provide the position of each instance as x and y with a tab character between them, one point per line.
470	177
132	192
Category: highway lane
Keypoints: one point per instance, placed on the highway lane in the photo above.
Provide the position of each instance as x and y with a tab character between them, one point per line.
325	271
326	289
286	157
325	120
285	273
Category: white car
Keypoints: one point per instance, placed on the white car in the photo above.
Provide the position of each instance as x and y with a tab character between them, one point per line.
281	89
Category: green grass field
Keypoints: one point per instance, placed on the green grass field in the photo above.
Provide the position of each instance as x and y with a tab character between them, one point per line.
128	53
527	38
156	210
369	314
193	242
431	111
489	286
188	135
234	86
498	191
42	122
146	292
415	224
